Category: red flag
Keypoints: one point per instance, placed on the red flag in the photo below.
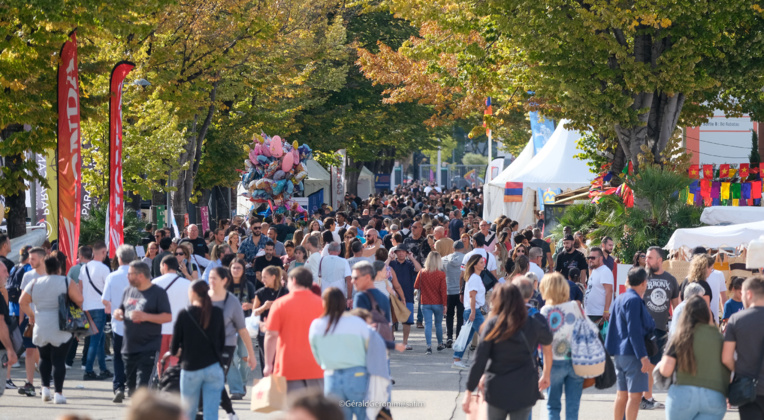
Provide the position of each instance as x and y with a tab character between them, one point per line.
708	171
693	171
724	171
69	151
756	190
116	217
744	171
755	169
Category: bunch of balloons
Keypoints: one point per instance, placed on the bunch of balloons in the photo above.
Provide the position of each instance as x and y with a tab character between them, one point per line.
275	171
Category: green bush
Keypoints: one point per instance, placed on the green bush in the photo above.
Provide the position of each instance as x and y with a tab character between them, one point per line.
92	227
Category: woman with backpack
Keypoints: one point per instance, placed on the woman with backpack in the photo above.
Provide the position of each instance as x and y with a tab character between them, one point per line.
505	355
561	314
339	342
199	335
431	283
53	344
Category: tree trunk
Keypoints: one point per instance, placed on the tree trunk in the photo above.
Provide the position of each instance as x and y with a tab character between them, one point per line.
192	155
352	175
17	215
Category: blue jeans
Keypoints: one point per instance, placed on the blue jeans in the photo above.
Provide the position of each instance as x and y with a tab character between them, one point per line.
210	382
96	348
475	328
235	375
349	386
687	402
563	375
429	311
119	364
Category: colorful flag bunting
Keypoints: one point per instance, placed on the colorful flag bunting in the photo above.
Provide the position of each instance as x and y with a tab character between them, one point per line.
708	171
744	171
724	171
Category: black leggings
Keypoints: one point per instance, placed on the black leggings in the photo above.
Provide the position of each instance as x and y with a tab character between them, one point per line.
53	358
261	351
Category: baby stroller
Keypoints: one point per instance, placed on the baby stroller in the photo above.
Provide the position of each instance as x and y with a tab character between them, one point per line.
169	380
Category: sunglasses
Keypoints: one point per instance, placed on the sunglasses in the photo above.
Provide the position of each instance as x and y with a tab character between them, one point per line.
180	254
256	227
591	258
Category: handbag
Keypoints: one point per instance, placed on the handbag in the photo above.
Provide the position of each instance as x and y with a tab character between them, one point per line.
70	317
92	329
661	382
742	389
16	339
461	341
269	394
608	377
402	313
489	280
651	344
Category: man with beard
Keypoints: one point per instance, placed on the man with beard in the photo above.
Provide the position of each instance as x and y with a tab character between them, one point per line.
571	258
599	288
662	293
607	247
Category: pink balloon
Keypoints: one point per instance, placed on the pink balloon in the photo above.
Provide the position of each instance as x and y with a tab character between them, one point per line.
287	162
277	147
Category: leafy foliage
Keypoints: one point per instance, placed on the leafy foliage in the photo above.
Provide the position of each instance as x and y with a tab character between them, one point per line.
92	226
755	157
474	159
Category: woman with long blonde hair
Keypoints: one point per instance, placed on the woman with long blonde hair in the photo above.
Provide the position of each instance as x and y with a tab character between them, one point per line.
701	267
431	283
234	240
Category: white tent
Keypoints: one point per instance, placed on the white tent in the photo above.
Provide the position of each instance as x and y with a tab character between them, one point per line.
723	215
365	183
493	192
318	178
716	236
553	167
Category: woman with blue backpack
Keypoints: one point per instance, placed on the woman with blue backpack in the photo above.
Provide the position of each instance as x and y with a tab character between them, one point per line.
563	317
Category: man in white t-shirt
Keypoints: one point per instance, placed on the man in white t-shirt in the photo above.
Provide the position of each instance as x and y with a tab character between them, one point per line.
93	280
599	287
535	255
176	287
311	244
718	286
478	241
116	283
334	271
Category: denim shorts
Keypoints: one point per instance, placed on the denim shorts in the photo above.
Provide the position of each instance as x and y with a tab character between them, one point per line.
410	306
628	370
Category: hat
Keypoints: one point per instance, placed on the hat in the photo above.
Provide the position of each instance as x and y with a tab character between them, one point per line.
458	245
401	247
568	238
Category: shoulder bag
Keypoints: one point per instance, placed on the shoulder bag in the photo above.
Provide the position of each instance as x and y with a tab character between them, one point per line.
743	388
489	280
71	318
587	353
87	272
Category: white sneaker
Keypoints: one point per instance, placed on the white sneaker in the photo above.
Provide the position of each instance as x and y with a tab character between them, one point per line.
59	399
233	416
67	366
459	365
16	365
46	394
108	358
82	367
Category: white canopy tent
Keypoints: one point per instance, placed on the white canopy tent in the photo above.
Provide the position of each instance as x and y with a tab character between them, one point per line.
493	192
715	237
318	178
553	167
723	215
365	183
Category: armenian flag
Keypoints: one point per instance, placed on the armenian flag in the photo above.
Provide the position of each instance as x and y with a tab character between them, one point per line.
513	192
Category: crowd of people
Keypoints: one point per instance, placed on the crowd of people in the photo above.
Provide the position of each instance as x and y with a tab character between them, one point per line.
330	297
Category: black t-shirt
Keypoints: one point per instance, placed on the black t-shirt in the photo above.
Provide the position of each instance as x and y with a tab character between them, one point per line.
419	247
453	228
143	336
8	263
544	247
6	316
200	246
282	231
266	294
261	262
199	351
706	289
566	261
245	292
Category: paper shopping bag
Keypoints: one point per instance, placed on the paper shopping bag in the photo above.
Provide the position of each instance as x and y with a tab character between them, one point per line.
269	394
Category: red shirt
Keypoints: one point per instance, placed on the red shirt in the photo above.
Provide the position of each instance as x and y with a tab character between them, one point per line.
291	316
432	285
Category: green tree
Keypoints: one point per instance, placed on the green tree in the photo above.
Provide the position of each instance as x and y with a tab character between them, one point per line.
474	159
754	158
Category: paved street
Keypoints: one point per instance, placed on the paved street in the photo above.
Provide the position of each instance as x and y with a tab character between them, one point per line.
427	382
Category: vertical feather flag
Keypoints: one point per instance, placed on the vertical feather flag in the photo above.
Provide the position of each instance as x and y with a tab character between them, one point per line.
488	111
